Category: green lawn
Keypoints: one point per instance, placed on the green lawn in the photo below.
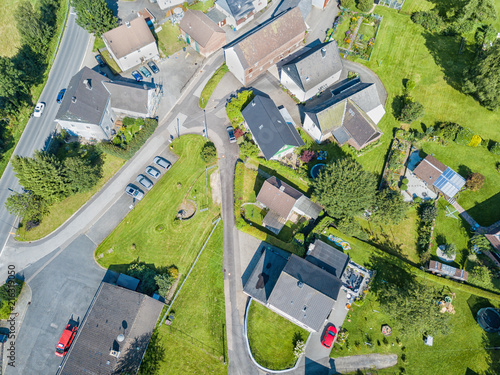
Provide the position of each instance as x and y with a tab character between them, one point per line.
137	236
169	39
8	29
115	69
6	304
195	343
62	211
202	5
272	337
212	83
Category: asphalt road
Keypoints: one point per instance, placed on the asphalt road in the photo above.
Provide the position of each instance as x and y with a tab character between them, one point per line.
38	130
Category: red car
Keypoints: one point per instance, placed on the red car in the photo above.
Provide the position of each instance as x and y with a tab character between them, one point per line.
66	339
329	337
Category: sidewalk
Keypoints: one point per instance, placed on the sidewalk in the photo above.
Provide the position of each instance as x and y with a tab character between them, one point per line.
17	316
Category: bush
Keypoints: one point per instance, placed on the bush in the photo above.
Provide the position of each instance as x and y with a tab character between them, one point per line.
208	152
464	136
404	187
495	149
365	5
431	21
163	282
236	105
405	181
249	149
307	156
411	110
410	84
299	237
348	3
352	228
474	182
475	141
428	212
238	133
449	130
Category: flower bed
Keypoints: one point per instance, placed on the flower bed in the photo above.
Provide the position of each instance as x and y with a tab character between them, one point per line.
394	166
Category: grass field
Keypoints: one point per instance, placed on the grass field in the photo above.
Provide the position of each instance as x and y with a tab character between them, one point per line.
62	211
138	235
8	30
272	337
195	343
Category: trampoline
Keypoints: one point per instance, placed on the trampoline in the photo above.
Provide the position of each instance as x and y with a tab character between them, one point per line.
315	170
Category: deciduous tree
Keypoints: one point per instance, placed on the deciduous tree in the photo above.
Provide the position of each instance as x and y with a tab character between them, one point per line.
94	16
389	206
475	181
26	205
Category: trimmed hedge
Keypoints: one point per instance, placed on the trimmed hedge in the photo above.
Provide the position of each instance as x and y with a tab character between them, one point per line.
135	143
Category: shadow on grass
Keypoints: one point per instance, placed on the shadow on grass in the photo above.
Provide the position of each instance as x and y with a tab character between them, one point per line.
387	273
486	213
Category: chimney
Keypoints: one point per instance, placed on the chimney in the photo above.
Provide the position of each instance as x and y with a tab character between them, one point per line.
323	52
87	84
127	24
282	188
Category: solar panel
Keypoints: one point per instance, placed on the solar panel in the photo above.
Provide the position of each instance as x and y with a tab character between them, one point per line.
449	270
450	182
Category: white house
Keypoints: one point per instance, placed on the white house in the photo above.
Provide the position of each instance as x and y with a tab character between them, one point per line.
239	12
131	44
313	71
92	103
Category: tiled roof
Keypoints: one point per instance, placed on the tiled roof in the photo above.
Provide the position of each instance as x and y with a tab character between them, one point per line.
129	37
328	258
199	26
278	196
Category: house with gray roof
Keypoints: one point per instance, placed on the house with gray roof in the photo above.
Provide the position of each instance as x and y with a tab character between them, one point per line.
115	333
275	136
252	54
350	115
92	103
327	258
201	33
313	71
284	203
296	288
239	12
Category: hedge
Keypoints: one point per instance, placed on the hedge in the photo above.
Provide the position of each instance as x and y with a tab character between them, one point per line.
135	144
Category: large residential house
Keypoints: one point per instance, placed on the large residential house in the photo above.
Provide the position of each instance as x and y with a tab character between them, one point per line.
438	177
304	291
131	44
255	52
351	115
239	12
313	71
201	33
115	333
275	135
92	103
284	203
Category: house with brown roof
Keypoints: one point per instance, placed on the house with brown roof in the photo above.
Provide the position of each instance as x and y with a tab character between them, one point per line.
438	177
350	115
494	239
201	33
284	203
131	44
238	13
255	52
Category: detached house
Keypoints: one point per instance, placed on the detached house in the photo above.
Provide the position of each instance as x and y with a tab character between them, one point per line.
274	135
284	203
438	177
304	291
239	12
93	103
131	44
313	71
201	33
351	115
255	52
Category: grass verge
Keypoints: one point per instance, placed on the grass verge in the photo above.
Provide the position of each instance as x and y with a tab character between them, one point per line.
211	85
272	338
113	66
9	293
62	211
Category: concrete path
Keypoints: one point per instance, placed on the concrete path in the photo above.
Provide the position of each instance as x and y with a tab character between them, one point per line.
362	362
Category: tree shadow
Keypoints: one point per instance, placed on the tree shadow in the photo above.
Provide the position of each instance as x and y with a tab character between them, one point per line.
464	171
131	359
388	273
397	105
486	213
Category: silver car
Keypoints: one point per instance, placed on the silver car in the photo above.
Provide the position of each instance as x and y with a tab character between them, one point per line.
153	172
144	181
134	192
161	162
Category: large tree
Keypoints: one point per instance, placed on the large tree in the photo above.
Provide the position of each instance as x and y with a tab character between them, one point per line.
389	207
13	91
469	14
81	174
94	16
344	188
26	205
482	79
32	28
413	309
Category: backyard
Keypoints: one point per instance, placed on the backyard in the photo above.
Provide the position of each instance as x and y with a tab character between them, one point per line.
62	211
169	39
192	347
272	338
151	231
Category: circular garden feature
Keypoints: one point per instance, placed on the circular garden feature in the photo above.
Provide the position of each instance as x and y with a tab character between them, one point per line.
315	170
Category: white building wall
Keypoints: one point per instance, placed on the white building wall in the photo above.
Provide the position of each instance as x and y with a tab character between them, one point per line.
311	129
292	86
322	86
84	130
234	65
376	114
137	57
293	320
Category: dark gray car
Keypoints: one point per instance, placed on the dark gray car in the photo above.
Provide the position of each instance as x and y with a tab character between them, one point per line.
144	181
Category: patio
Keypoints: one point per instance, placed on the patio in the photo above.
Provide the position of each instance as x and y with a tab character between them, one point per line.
417	188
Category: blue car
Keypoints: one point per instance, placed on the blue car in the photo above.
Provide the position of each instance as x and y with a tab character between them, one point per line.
138	77
60	96
145	71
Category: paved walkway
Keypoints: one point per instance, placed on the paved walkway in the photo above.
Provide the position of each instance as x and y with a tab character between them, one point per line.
473	223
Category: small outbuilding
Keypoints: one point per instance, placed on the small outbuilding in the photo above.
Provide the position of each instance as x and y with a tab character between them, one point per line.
201	33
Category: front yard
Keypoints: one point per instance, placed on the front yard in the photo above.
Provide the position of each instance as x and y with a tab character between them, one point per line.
272	338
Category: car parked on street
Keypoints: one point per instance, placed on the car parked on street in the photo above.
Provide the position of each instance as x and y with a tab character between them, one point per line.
154	68
134	192
138	77
145	72
144	181
100	61
153	172
329	336
39	109
66	339
161	162
230	133
60	96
